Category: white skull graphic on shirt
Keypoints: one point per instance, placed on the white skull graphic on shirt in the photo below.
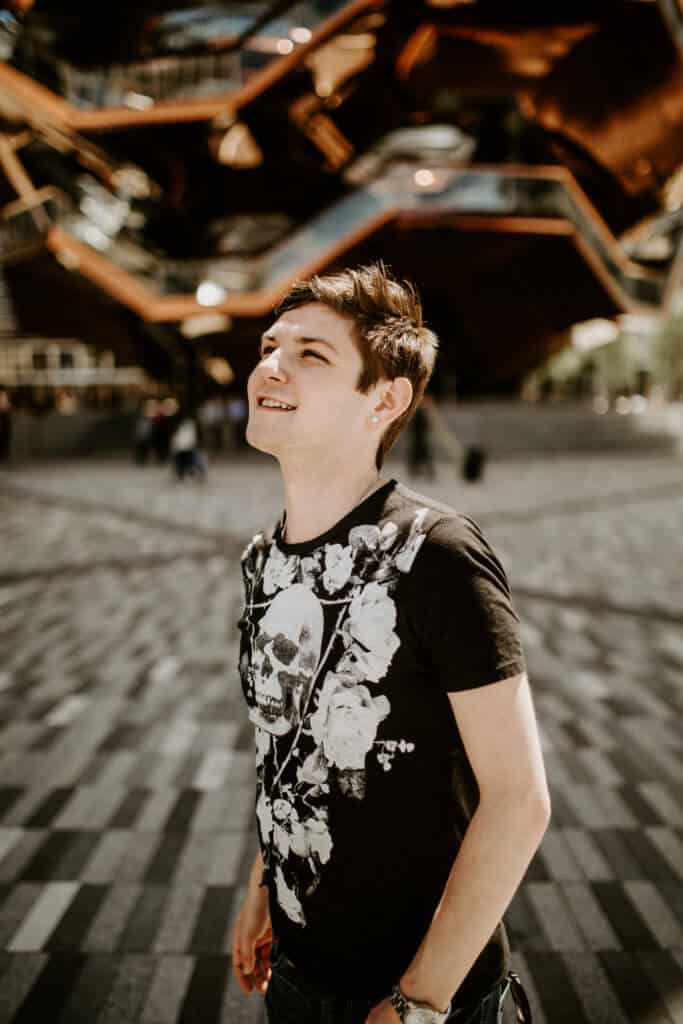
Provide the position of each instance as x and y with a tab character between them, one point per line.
314	710
285	656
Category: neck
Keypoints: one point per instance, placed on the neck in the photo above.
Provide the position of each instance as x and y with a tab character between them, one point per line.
317	498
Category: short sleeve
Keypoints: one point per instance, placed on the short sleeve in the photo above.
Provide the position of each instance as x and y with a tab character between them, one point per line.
461	611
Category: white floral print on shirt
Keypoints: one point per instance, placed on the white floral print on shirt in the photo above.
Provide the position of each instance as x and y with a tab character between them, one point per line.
313	693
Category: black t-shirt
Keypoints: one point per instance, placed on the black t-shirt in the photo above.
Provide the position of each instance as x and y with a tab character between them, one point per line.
350	644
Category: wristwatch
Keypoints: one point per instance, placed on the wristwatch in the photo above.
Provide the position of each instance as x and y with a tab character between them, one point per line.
411	1012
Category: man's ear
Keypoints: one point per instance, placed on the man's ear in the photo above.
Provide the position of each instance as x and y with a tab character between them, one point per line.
395	397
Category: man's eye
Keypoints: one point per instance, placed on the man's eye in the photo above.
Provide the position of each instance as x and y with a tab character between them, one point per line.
311	352
266	349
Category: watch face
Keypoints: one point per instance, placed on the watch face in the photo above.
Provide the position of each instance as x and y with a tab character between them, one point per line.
415	1014
421	1015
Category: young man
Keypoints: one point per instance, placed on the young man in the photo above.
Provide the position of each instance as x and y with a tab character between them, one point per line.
401	791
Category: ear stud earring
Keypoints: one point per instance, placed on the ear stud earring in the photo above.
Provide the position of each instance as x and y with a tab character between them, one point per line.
375	419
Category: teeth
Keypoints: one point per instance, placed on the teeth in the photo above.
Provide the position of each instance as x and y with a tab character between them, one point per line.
270	707
271	403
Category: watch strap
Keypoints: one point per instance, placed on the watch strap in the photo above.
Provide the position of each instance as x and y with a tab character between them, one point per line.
402	1004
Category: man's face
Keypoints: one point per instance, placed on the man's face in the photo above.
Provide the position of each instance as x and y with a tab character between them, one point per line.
310	362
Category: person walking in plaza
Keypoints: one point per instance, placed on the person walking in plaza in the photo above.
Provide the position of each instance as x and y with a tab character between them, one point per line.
401	791
142	431
420	449
5	425
188	460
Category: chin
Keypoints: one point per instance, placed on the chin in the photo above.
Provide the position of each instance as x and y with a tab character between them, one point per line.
256	439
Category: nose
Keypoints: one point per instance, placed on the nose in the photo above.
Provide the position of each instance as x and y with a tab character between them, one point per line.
273	365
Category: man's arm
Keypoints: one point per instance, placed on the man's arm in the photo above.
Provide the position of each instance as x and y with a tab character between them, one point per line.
253	934
498	728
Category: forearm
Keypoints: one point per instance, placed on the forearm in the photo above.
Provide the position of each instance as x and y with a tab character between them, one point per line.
256	874
499	843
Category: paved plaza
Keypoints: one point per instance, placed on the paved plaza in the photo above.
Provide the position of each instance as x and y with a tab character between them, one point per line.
126	768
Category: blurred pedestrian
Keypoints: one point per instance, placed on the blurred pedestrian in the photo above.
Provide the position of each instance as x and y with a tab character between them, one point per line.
469	461
5	425
420	451
188	461
162	427
400	786
212	418
237	411
142	432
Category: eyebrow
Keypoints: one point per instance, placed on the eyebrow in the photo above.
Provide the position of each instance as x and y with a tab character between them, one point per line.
302	341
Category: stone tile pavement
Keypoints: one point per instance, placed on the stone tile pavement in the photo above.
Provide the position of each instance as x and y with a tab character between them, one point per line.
126	784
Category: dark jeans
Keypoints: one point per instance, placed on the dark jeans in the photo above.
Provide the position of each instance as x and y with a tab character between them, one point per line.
292	999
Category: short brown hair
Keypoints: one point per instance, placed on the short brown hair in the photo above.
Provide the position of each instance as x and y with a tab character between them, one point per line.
390	333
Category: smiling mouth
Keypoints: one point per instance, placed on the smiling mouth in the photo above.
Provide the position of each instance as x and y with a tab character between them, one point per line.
274	406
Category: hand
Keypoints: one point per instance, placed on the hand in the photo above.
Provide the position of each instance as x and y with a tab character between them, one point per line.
383	1013
252	941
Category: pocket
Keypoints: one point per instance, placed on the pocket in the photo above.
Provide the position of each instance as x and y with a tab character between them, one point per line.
492	1005
285	1002
488	1011
356	1010
284	1006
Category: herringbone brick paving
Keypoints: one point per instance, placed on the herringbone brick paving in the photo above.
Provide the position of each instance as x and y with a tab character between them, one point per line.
126	776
